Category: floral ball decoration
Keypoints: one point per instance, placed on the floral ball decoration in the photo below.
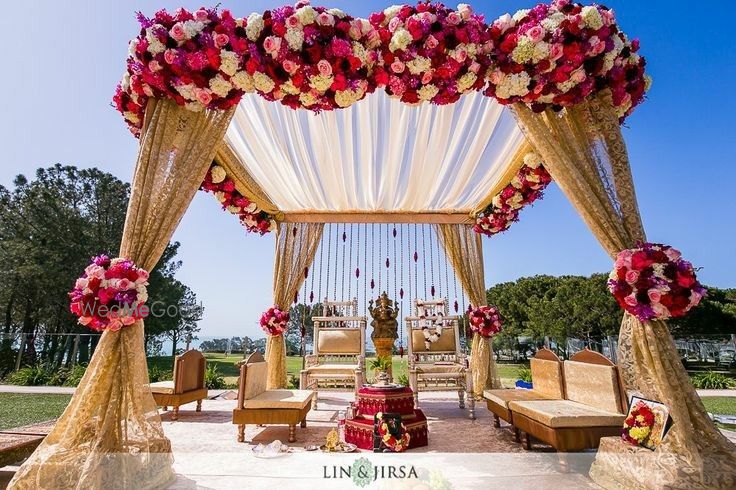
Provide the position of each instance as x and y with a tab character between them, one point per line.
274	321
254	219
430	53
110	294
526	187
556	55
393	443
654	282
485	321
310	57
638	424
194	58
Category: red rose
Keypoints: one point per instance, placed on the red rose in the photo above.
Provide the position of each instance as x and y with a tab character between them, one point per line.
508	44
279	29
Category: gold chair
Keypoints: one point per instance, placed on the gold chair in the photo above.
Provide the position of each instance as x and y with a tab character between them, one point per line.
338	357
442	367
257	405
187	386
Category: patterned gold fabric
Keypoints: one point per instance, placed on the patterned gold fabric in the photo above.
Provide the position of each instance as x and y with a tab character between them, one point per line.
464	249
296	244
110	435
584	151
593	385
547	377
566	413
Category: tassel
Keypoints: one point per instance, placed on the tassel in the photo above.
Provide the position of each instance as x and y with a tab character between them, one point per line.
357	273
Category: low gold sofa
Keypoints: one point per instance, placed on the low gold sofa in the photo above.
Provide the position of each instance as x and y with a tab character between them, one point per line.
547	384
593	407
187	386
257	405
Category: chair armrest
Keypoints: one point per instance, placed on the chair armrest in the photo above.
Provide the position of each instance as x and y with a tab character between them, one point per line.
310	360
360	364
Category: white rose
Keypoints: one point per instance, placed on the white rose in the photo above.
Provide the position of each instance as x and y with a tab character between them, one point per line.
263	82
228	62
295	39
218	174
254	27
400	40
306	14
243	81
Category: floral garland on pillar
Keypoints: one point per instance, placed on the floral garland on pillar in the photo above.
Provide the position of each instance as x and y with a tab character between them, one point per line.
653	282
526	187
274	321
254	219
110	294
485	321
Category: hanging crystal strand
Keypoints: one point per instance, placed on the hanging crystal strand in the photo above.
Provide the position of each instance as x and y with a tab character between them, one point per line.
380	254
365	271
416	267
321	262
373	258
299	251
329	259
424	261
350	266
388	261
337	249
399	295
432	289
344	271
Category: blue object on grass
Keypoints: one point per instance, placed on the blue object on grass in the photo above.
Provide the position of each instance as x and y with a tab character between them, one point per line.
524	385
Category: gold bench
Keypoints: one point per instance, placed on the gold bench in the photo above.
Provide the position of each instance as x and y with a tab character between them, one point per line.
187	386
257	405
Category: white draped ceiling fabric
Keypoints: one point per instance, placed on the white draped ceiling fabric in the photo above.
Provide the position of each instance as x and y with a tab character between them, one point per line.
377	156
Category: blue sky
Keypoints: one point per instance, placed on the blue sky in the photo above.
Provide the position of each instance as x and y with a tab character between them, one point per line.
62	60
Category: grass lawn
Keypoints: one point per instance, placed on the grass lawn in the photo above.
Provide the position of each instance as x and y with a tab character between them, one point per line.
17	409
722	405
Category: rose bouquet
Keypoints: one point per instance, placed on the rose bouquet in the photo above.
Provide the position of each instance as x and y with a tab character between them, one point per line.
638	424
556	55
485	321
525	188
430	52
274	321
310	57
653	281
110	294
251	216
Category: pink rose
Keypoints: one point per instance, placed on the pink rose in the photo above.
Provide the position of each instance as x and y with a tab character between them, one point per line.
154	65
221	40
556	51
289	66
177	32
578	76
461	55
202	15
292	22
465	10
632	276
325	68
427	77
124	284
536	33
453	18
85	320
325	19
474	67
631	300
397	66
356	29
170	56
142	275
397	86
654	295
272	45
431	42
394	24
673	254
203	95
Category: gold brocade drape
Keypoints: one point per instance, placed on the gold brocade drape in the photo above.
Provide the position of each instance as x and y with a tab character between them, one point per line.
296	245
110	435
464	249
584	151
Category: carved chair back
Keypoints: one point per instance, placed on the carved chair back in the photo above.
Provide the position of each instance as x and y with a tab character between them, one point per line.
189	371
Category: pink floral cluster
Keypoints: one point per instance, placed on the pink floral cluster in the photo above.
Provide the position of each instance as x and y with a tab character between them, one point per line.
527	186
654	282
556	55
485	321
430	52
194	58
254	219
310	57
110	294
274	321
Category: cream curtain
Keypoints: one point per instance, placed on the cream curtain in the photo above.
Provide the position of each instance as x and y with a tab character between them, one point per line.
296	244
110	435
464	249
584	151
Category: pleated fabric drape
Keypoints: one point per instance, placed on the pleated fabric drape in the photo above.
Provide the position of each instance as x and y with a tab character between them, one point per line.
585	153
464	249
110	435
296	245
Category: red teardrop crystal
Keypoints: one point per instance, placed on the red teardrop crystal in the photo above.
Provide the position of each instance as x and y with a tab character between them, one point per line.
401	293
432	290
293	231
306	272
387	263
416	256
311	297
457	307
357	273
394	232
373	284
344	236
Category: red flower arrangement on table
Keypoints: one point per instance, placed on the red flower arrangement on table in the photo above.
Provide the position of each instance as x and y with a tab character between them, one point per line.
395	444
638	425
527	186
193	58
654	282
556	55
430	52
253	218
274	321
485	321
310	57
110	294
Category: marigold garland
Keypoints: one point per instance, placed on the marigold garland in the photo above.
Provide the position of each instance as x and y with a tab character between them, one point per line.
393	443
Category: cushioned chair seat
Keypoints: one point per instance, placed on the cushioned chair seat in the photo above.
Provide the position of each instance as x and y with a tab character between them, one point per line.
164	387
503	397
293	399
439	369
342	369
566	413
